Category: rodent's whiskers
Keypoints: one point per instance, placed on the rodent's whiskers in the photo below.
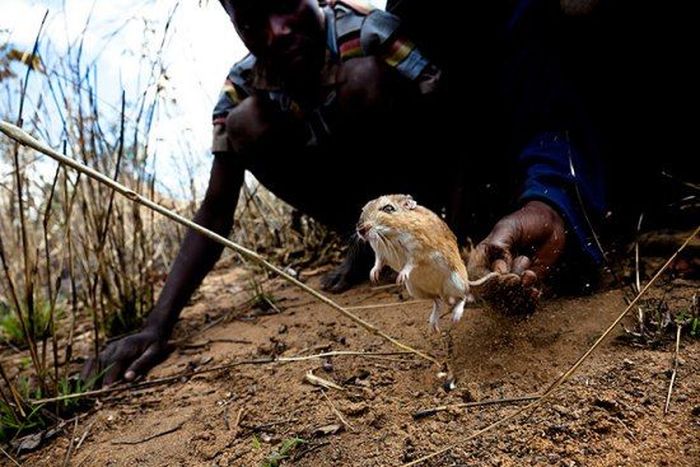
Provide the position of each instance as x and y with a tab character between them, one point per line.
388	245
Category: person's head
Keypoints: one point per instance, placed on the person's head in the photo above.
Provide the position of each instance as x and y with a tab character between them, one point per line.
287	35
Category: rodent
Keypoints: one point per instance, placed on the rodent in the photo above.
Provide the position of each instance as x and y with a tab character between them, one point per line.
413	241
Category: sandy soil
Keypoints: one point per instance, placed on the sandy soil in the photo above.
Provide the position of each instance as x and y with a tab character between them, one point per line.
609	413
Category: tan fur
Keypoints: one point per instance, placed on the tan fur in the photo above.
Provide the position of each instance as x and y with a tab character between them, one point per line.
425	246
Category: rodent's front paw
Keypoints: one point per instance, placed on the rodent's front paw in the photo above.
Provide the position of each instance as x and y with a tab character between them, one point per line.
434	321
402	278
374	275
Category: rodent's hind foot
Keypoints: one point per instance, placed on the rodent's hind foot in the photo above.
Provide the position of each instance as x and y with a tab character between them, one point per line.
458	311
434	319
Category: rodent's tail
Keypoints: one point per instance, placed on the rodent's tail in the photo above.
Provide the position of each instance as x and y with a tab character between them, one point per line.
484	279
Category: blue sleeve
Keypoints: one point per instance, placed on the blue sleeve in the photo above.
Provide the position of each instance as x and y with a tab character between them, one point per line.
556	174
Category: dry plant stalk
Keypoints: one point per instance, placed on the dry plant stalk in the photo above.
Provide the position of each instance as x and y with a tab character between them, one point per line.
675	370
337	412
69	248
24	138
441	408
189	374
311	378
12	459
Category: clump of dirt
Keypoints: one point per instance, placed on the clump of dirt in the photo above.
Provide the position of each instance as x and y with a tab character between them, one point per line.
609	413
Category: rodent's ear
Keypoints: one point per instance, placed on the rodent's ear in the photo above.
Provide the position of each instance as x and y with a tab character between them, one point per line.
409	203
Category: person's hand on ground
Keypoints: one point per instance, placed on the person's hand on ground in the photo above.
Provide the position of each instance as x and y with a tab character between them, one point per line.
128	358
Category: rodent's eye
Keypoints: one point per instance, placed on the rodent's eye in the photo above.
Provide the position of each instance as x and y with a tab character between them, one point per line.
388	209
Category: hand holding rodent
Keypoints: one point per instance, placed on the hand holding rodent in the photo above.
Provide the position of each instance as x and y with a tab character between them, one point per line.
413	241
528	243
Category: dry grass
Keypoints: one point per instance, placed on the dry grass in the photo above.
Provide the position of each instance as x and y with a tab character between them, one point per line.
79	263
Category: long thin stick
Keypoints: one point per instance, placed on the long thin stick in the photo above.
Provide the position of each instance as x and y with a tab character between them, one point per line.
13	392
10	457
337	412
559	381
675	370
338	353
385	305
153	436
49	277
69	452
508	400
167	379
638	282
85	434
23	137
28	326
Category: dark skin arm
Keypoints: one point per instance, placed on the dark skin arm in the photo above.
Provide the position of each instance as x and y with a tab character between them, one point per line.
134	355
528	242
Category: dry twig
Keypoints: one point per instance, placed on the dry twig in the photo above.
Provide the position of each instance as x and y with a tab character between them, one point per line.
675	370
12	459
24	138
150	437
189	374
508	400
337	412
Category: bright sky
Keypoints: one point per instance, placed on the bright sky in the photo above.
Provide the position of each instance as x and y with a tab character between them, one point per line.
202	46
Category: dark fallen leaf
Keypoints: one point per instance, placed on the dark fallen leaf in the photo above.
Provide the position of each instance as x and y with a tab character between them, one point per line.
29	443
33	441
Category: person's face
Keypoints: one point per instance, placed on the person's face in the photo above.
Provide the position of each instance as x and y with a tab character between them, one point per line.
286	34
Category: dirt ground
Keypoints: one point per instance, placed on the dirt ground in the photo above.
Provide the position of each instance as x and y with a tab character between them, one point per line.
609	413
